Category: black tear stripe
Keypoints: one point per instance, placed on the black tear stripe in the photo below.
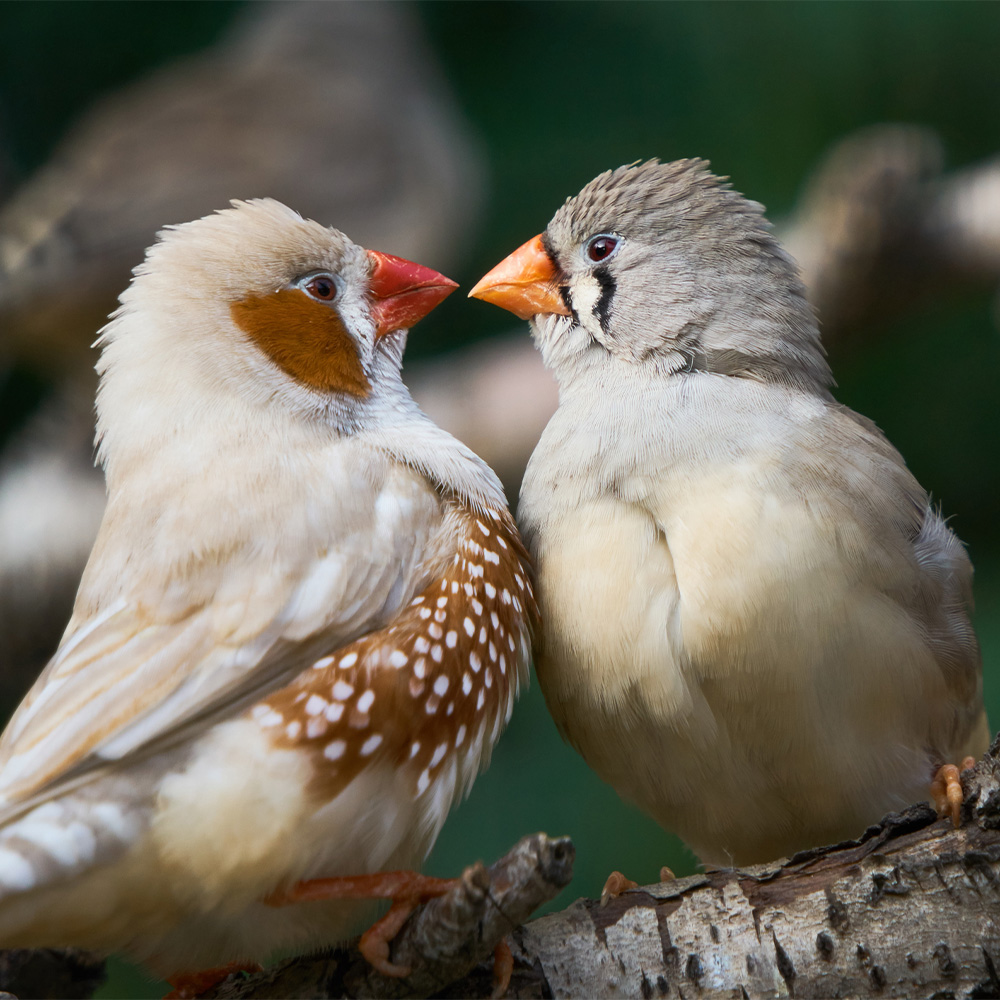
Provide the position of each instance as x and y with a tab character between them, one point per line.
568	303
563	287
603	308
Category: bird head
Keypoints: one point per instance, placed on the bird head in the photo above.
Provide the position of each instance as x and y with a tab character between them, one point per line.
256	308
661	265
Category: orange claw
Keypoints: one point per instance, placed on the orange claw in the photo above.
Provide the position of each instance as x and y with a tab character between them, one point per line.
407	890
503	967
616	884
946	790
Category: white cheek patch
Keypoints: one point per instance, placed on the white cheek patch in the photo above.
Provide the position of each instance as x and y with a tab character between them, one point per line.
585	293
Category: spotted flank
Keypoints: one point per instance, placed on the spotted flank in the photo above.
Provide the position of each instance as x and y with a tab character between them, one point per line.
439	683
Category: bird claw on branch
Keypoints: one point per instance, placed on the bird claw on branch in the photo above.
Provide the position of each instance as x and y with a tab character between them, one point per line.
443	941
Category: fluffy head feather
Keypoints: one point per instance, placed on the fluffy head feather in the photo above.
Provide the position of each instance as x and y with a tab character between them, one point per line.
697	279
173	357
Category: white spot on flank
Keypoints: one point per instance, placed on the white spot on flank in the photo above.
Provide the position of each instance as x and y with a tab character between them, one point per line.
468	588
451	639
335	750
520	581
503	664
441	685
483	528
495	618
439	751
425	613
366	700
416	600
488	677
505	596
112	819
348	661
414	749
477	607
423	782
460	735
466	683
342	690
444	584
470	629
450	708
371	744
501	542
420	668
517	605
442	602
323	663
491	591
491	557
482	635
475	663
316	727
475	570
435	631
432	704
397	658
293	729
481	700
510	642
439	616
421	645
335	711
270	717
315	705
454	585
15	872
436	653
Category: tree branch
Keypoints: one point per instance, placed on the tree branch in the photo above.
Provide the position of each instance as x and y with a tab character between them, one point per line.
910	909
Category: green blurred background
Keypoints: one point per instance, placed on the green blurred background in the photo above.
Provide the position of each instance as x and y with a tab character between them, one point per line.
558	92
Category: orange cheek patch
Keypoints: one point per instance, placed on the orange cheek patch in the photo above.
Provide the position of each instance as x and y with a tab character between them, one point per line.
305	339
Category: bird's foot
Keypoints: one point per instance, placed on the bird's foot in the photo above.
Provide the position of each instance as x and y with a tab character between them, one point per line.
406	889
503	967
946	790
616	884
192	984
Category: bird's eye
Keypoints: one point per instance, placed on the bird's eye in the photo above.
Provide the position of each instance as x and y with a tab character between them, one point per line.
601	247
321	287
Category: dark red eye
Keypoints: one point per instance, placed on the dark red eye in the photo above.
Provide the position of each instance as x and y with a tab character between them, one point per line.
321	287
601	247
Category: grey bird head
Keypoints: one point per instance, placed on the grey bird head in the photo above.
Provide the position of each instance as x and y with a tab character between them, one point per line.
663	265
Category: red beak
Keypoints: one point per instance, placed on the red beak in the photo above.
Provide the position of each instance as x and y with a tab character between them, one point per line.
403	292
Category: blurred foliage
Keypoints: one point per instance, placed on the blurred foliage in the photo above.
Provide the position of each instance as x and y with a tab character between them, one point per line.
561	91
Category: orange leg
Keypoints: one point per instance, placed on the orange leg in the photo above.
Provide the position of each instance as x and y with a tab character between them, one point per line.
946	790
407	890
503	967
192	984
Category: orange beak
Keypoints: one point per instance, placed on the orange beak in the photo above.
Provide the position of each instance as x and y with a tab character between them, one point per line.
524	283
403	292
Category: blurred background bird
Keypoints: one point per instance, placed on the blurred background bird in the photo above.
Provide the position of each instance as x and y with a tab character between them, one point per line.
789	100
